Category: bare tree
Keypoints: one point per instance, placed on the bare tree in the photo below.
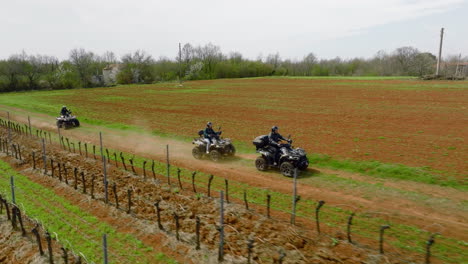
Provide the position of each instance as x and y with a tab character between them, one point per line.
424	63
405	57
109	58
210	55
138	65
13	69
187	56
83	60
310	59
308	63
274	60
138	57
259	57
36	66
235	57
187	53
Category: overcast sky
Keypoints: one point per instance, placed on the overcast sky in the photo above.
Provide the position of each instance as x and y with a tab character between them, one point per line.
345	28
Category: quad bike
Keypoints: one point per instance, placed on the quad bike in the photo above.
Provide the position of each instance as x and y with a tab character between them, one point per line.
287	160
67	121
222	148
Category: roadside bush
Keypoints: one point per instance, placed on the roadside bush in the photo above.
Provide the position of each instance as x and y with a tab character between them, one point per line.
318	70
125	76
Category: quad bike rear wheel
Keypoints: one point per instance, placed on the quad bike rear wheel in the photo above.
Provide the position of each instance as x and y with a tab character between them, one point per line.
215	155
261	163
287	169
197	153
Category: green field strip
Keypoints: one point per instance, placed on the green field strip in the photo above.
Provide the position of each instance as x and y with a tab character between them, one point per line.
370	78
386	171
82	230
336	183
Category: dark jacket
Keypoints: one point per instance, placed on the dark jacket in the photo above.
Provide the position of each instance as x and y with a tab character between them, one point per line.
209	133
274	138
64	111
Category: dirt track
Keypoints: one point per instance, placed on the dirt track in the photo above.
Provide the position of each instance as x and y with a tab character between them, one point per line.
417	213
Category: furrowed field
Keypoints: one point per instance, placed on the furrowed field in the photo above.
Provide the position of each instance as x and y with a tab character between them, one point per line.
391	150
415	123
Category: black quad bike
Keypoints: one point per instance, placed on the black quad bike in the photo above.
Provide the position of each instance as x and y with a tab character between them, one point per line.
67	121
287	160
222	148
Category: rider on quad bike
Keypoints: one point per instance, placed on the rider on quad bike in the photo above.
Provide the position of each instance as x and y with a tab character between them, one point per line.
210	136
274	140
212	144
66	119
64	111
274	154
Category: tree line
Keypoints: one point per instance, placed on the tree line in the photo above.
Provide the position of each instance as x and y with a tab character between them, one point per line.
84	68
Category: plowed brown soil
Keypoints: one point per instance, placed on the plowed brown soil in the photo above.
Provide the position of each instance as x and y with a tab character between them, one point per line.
17	249
411	122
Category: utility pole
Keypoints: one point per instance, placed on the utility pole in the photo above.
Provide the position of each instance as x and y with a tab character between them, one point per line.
440	51
180	68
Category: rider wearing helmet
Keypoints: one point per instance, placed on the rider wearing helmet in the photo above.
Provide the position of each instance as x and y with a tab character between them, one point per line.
274	139
65	111
210	136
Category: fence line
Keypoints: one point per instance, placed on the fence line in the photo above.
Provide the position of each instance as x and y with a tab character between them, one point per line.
27	224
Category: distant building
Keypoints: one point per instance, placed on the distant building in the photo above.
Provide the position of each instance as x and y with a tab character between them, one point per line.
456	69
110	73
462	69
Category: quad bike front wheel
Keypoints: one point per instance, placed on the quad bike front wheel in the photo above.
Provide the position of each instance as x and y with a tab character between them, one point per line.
197	153
287	169
231	151
59	124
261	164
215	155
303	164
76	123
